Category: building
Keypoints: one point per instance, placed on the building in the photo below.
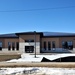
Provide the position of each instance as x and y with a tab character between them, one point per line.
43	42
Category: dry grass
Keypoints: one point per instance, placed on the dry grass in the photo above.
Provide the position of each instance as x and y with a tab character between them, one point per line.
4	57
50	65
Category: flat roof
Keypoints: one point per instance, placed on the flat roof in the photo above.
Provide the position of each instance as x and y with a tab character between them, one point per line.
12	35
57	34
22	33
44	34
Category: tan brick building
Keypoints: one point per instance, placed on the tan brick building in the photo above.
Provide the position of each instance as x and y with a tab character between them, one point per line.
42	42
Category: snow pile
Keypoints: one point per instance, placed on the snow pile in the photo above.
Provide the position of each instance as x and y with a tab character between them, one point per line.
58	71
37	71
31	58
18	71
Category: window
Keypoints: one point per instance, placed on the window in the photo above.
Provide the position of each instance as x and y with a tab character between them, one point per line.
0	45
49	45
63	44
44	45
53	44
13	45
70	45
67	44
17	45
9	46
29	40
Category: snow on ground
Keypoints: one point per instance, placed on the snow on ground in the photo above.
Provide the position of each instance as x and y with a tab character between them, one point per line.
31	58
37	70
20	70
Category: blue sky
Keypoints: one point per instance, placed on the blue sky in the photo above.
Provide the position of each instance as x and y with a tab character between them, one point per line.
54	20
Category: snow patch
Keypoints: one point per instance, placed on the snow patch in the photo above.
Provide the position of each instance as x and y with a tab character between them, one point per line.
31	58
37	70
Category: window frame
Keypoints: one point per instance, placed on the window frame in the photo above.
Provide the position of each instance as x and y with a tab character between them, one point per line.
53	45
13	46
1	43
17	46
29	40
44	45
9	46
49	45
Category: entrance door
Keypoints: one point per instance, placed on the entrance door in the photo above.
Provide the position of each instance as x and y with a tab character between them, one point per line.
29	49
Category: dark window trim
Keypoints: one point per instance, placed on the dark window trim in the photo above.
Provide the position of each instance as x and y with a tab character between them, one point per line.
53	45
13	46
30	40
67	46
17	46
1	45
9	46
49	45
44	45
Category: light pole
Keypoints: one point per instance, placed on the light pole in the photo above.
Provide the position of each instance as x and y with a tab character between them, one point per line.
35	42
